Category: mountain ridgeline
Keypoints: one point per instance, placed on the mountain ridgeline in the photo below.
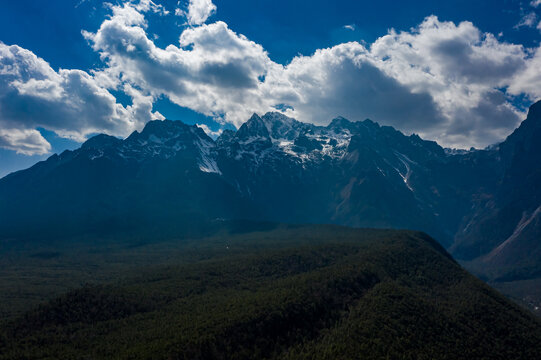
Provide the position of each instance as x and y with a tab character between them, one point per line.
479	204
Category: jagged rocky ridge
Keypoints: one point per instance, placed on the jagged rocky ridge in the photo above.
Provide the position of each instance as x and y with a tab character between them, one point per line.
482	204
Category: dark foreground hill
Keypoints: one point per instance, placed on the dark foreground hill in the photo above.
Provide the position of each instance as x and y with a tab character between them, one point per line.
290	292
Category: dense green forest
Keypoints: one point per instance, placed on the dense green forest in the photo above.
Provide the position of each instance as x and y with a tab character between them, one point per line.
274	292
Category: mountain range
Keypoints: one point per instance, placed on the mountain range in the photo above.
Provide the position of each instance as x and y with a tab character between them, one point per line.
484	206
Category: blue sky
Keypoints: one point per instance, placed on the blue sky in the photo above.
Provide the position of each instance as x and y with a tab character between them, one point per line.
473	73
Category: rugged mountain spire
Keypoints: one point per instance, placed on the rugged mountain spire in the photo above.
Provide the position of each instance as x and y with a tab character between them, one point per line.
254	128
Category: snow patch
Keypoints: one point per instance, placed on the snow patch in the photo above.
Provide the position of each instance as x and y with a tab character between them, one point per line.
406	161
208	162
153	138
523	223
97	156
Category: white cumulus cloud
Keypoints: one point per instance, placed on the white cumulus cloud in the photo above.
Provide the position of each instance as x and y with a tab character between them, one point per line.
528	20
212	70
198	11
209	132
462	69
68	102
24	141
346	80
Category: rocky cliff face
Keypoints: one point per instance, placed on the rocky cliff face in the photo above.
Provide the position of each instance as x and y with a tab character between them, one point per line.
504	227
